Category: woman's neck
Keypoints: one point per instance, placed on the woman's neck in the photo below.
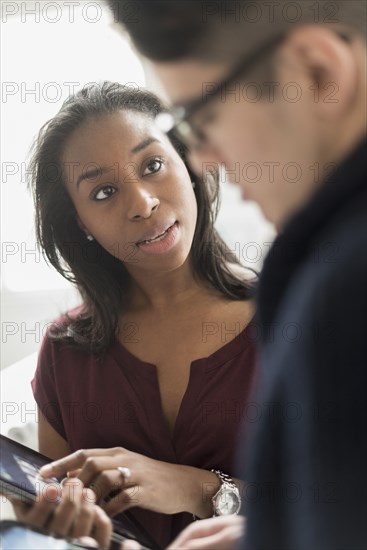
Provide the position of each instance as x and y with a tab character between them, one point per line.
160	292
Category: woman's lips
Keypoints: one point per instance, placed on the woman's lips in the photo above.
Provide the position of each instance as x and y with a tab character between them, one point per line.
152	233
162	243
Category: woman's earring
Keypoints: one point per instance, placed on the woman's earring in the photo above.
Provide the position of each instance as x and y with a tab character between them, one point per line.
193	184
90	238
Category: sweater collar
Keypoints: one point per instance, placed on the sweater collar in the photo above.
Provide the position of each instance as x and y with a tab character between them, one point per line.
292	246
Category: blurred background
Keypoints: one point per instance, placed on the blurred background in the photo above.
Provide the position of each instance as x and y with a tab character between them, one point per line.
50	49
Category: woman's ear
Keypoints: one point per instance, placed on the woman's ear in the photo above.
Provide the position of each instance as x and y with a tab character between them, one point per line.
85	230
82	226
329	63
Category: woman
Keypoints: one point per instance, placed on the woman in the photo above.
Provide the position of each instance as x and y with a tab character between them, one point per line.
152	372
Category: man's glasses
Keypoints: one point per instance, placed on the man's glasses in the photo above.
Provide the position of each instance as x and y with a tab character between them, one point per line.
177	120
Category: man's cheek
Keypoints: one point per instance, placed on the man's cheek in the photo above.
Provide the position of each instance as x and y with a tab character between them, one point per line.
196	163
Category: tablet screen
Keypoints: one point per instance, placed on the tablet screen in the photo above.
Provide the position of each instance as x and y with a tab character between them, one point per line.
15	536
19	467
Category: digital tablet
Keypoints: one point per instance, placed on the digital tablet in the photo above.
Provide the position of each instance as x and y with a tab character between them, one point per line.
19	477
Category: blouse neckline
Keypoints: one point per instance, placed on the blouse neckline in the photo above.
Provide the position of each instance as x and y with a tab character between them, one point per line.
223	354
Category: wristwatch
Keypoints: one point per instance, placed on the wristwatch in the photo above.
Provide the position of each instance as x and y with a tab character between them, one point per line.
227	500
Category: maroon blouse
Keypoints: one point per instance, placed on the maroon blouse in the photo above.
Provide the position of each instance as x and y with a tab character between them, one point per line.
114	401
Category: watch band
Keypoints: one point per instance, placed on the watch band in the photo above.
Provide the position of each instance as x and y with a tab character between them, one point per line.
225	478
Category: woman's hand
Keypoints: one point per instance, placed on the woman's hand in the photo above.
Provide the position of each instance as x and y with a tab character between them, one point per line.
221	533
153	484
68	511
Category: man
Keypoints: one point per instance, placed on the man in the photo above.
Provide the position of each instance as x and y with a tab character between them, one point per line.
276	93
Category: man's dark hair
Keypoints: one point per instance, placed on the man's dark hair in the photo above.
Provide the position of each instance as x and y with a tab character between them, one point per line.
176	29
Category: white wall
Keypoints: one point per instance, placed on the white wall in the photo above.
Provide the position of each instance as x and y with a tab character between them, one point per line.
46	53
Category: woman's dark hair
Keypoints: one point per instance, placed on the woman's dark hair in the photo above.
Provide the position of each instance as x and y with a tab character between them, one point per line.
101	278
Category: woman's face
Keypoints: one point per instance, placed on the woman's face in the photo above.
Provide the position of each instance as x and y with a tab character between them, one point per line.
132	191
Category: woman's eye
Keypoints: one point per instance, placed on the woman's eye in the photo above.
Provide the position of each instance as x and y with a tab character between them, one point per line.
104	193
153	166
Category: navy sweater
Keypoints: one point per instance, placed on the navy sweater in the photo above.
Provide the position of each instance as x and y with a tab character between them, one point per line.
305	459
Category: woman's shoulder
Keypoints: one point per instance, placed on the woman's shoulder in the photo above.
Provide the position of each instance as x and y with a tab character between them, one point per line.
64	320
72	314
58	334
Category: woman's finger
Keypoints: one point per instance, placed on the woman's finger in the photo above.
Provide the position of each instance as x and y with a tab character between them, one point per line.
83	524
125	499
108	481
130	545
21	507
102	527
105	468
38	513
90	542
74	473
71	462
67	510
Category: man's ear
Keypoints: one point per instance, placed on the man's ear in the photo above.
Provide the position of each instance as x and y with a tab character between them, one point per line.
330	65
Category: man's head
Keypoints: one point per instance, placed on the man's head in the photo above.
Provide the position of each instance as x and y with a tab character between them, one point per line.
295	103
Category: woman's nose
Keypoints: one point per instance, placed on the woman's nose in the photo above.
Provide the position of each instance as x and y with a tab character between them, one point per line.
142	203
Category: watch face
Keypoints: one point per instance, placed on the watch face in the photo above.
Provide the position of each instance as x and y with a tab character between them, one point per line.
228	502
